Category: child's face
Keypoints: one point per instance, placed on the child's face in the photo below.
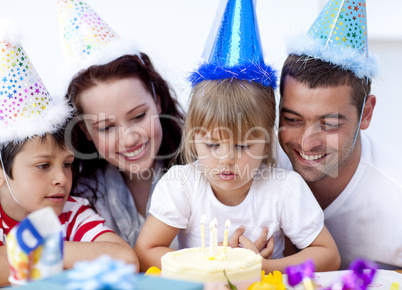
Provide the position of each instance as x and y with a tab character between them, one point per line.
42	176
123	123
228	165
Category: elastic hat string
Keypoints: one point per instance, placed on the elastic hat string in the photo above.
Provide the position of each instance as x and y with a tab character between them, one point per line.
153	91
360	120
6	178
152	84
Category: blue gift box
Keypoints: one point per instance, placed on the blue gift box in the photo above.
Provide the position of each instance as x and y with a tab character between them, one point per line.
60	282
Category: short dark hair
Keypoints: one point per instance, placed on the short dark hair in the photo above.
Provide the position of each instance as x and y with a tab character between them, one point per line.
317	73
10	150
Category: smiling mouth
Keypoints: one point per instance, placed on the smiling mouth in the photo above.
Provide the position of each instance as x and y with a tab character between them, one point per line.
311	157
135	152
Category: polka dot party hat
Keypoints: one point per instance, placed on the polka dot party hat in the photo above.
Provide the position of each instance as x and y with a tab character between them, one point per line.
86	38
26	107
339	36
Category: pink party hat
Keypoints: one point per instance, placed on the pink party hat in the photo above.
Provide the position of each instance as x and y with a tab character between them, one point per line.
339	36
86	38
26	107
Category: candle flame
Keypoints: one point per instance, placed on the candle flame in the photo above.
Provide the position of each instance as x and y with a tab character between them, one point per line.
213	223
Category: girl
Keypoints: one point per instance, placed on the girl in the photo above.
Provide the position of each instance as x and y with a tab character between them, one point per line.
228	144
129	131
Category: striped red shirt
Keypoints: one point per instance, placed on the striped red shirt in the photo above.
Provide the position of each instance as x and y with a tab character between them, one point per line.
79	222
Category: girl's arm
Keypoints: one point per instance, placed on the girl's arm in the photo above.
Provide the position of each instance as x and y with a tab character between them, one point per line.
153	242
105	244
322	251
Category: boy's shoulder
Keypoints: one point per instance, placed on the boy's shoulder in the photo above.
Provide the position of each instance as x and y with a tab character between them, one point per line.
74	201
73	206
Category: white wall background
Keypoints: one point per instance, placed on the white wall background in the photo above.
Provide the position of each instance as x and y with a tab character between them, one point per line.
173	34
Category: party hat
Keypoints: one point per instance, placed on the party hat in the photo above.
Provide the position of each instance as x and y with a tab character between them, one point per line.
339	36
234	49
26	107
86	38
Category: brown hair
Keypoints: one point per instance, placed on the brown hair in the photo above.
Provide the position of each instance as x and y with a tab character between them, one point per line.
241	108
317	73
58	138
128	66
136	66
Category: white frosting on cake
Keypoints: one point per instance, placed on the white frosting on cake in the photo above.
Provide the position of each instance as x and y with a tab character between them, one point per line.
195	265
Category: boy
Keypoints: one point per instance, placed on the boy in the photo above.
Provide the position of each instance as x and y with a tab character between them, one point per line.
36	165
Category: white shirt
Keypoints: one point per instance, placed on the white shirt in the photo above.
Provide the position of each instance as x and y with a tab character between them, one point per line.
365	220
277	199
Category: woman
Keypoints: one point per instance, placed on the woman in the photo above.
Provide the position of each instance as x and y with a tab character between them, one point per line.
129	129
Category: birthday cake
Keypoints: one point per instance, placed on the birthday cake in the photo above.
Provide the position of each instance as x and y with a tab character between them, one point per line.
241	267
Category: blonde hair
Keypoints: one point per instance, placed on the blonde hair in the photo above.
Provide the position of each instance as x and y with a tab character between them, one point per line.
238	108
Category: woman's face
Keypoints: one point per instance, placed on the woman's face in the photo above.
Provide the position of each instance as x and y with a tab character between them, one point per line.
122	119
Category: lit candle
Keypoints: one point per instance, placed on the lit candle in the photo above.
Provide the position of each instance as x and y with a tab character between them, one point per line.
213	240
226	233
203	233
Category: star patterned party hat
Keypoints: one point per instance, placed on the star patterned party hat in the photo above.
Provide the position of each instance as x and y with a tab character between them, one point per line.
234	49
339	36
86	38
26	107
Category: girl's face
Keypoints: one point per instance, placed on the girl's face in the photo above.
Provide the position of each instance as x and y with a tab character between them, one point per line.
122	119
230	165
42	176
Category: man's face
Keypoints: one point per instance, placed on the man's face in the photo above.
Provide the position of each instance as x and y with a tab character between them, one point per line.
317	129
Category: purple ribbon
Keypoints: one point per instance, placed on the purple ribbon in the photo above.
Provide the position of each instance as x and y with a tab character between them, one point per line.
297	273
361	275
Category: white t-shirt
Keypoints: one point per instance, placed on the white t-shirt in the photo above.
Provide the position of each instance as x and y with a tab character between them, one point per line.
277	199
365	220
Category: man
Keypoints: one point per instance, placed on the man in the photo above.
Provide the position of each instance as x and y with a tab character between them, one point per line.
325	103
